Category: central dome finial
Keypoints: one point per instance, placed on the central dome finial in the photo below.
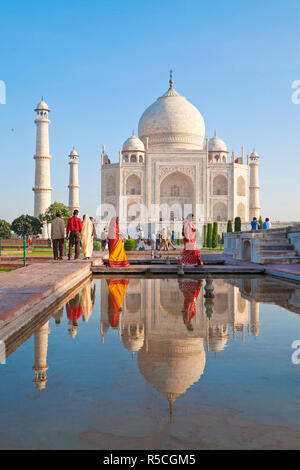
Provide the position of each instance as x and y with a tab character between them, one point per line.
171	79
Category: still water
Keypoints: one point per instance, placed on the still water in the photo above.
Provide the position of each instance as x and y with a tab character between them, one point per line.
152	364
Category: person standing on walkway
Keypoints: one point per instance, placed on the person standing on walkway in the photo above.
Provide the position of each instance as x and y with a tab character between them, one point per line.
103	239
58	236
74	227
94	230
87	237
164	245
254	224
117	255
191	253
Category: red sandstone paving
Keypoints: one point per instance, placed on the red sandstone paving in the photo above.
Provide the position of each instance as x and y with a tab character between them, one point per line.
27	285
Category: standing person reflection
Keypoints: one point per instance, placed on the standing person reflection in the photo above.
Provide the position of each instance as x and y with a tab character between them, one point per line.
190	290
74	311
88	296
116	293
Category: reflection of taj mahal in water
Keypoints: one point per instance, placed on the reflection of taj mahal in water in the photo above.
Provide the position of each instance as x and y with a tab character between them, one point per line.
168	323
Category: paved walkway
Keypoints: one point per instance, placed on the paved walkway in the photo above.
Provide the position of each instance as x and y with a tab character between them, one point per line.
25	292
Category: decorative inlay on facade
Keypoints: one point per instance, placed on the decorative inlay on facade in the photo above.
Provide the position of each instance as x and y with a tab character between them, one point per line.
166	170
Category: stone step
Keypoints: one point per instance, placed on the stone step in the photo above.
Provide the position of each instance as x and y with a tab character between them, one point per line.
279	253
280	260
273	236
276	246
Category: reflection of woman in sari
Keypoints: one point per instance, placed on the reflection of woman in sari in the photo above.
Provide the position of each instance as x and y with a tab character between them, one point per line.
87	237
191	253
117	255
190	290
116	292
87	300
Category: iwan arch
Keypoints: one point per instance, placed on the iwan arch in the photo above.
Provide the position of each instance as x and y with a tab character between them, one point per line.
170	166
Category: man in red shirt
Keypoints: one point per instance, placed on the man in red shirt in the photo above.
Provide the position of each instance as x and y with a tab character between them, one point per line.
74	227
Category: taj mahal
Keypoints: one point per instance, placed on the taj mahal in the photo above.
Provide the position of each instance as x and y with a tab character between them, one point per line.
164	174
170	169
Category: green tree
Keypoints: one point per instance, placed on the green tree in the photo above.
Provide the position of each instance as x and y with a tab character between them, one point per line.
229	226
237	224
5	229
209	235
215	237
27	225
50	213
261	224
204	235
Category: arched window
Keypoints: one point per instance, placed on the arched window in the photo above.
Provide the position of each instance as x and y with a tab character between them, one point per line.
141	159
133	159
126	160
220	186
241	186
133	185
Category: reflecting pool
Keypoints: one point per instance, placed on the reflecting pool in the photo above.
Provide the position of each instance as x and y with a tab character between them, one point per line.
154	364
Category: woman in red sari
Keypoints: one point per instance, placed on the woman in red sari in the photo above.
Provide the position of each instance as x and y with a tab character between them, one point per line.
190	290
117	255
191	253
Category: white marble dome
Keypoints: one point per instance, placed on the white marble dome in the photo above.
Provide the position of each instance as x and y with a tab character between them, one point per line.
42	106
172	121
215	144
133	144
74	153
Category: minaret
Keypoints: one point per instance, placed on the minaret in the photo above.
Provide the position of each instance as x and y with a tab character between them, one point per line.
40	356
73	181
42	186
254	317
254	205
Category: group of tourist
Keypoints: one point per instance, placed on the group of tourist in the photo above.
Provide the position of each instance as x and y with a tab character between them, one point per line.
255	224
83	232
78	231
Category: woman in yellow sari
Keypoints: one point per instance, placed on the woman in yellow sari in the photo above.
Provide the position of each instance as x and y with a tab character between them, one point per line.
117	255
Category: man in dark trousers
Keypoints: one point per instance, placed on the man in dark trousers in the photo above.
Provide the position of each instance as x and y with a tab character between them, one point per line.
58	236
74	227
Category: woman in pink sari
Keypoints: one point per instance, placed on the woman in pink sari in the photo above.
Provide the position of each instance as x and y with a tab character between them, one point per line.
191	253
117	255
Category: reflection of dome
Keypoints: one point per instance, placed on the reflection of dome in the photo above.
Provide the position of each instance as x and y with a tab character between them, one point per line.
217	343
133	337
133	143
171	120
172	365
215	144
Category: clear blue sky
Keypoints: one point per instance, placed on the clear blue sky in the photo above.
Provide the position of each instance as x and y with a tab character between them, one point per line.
99	64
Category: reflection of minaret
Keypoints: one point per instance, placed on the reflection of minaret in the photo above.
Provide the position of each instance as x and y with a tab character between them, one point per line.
254	317
40	356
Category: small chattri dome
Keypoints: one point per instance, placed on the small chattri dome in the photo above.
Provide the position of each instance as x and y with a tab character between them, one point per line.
254	154
42	106
215	144
133	143
74	154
